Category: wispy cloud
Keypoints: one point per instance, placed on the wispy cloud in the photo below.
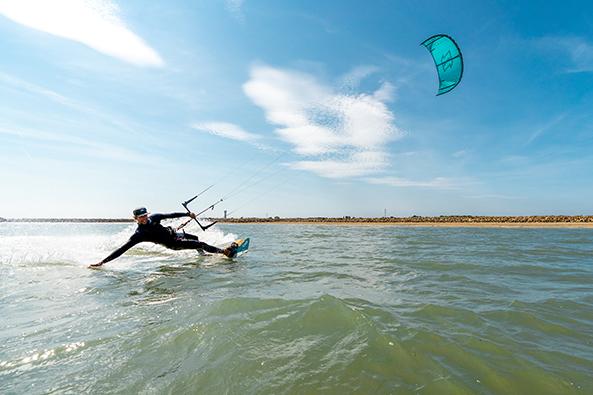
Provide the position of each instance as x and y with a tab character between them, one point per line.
578	49
495	197
460	153
81	145
226	130
437	183
357	164
94	23
33	88
86	109
319	121
544	128
235	8
354	77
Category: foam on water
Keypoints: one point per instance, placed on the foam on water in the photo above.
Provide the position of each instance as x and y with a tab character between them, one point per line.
71	244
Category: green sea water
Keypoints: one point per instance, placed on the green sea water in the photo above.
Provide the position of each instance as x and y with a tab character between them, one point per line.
311	309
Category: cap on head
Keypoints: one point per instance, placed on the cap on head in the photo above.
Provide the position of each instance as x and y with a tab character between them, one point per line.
140	211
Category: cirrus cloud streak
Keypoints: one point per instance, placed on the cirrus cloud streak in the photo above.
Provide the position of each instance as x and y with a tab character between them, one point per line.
226	130
437	183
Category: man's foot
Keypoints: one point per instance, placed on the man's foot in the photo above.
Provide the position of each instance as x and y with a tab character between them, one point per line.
231	250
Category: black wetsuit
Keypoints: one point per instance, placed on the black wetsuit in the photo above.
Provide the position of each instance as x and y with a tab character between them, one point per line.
166	236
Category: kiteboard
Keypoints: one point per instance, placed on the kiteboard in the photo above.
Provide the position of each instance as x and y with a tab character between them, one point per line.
243	246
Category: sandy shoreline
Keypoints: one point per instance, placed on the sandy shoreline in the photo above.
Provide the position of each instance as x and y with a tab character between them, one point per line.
416	221
444	221
554	225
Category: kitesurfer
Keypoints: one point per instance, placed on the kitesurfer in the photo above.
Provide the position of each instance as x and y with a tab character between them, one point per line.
150	229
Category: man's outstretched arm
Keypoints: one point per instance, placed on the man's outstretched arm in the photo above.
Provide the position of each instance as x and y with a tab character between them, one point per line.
160	217
115	254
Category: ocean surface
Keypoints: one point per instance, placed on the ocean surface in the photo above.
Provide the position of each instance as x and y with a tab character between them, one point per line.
311	309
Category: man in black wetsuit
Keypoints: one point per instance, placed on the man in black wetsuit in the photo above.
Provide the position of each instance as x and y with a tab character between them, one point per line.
150	229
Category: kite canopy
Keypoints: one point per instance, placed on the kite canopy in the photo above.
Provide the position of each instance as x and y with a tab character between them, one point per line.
448	60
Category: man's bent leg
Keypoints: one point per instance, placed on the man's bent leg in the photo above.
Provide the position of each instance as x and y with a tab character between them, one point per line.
185	244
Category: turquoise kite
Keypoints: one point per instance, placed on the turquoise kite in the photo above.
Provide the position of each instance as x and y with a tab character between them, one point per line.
448	60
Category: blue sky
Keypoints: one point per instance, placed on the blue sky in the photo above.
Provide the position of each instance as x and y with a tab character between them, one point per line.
320	108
